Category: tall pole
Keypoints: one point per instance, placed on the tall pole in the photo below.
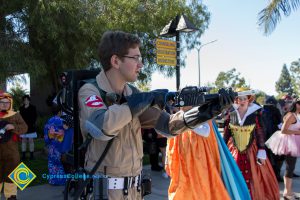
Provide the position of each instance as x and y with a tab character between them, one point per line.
199	82
179	24
178	61
198	49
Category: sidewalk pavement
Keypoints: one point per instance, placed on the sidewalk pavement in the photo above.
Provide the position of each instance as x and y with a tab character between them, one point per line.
159	188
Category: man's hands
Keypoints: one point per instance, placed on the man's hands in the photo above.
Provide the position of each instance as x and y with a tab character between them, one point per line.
200	114
226	99
139	102
160	97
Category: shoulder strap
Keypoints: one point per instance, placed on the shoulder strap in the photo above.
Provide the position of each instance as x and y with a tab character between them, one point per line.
102	92
84	184
134	89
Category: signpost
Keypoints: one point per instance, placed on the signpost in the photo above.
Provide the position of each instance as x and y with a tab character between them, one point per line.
179	24
165	52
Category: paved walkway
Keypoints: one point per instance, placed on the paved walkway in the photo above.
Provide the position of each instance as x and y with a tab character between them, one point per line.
159	188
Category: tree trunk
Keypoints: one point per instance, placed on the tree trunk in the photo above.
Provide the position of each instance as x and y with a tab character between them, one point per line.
42	93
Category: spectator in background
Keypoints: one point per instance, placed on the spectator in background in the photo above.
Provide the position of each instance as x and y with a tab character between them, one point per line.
171	109
244	136
287	142
287	102
28	113
54	134
170	103
156	143
286	105
11	124
271	117
151	147
162	145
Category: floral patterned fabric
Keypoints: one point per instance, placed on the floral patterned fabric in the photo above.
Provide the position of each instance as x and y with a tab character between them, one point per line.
54	135
55	166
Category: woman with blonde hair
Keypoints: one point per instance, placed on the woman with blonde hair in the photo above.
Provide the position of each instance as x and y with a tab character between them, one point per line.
244	136
287	142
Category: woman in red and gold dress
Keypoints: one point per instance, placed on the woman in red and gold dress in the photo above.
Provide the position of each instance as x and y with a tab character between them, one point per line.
244	137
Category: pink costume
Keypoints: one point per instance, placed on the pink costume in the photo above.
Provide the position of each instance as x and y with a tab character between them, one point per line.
286	144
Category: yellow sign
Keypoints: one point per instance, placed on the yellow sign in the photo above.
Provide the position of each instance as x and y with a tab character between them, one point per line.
165	44
166	61
22	176
165	52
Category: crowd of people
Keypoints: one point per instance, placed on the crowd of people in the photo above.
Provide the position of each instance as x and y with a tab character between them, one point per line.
243	163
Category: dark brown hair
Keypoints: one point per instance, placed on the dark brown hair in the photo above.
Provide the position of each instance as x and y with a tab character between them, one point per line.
115	43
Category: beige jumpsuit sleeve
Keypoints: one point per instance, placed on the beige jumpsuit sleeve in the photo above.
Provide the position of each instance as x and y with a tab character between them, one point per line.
164	123
100	121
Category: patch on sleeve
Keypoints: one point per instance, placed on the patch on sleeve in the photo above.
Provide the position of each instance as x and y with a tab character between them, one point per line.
94	101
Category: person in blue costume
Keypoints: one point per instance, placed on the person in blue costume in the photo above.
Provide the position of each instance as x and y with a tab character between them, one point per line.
55	133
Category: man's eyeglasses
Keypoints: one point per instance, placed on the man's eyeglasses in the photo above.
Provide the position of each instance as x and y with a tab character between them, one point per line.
136	58
1	102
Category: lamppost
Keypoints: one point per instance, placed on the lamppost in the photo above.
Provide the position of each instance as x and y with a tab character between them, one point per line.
198	49
179	24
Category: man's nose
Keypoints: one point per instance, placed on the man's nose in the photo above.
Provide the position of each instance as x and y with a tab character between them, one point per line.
140	65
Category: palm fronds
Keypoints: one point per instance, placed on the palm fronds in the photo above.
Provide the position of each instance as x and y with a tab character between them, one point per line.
271	15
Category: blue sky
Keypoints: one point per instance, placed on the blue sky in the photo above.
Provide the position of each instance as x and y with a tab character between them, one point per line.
241	45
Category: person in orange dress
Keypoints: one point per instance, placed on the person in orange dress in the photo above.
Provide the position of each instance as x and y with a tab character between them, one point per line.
193	163
201	167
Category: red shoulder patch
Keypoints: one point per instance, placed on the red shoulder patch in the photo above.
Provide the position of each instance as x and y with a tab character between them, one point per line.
94	101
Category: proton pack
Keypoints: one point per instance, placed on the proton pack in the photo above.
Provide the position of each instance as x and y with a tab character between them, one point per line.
67	98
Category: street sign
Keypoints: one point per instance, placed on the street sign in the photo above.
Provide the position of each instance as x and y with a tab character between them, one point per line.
165	44
166	61
165	52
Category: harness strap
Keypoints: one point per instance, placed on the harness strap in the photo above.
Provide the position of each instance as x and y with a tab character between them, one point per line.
125	190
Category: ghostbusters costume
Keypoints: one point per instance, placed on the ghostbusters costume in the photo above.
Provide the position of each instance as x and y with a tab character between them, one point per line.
9	154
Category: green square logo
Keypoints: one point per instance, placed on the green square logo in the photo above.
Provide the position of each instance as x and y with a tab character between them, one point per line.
22	176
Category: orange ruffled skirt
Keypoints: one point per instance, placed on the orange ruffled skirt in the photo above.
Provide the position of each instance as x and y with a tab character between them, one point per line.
193	163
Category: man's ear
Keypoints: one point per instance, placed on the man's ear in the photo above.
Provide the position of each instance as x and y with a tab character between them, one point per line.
115	61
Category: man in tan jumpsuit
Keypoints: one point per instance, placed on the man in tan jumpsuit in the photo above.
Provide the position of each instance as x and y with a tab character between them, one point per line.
122	120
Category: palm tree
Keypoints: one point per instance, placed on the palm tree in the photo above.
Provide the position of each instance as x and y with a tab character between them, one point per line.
271	15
